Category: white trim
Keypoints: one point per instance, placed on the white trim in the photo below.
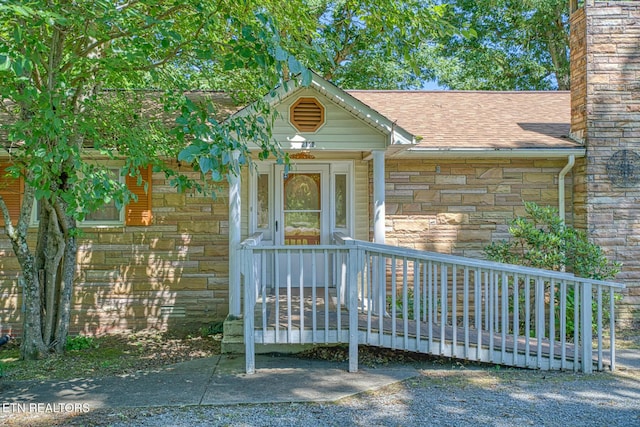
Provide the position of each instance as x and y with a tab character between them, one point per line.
538	153
269	167
342	168
235	236
379	212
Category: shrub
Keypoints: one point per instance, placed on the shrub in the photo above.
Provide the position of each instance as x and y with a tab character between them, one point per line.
79	342
543	241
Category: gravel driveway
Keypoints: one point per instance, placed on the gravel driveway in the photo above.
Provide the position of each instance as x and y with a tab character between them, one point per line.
452	396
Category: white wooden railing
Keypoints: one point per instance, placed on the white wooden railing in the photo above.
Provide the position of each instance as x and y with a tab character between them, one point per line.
358	292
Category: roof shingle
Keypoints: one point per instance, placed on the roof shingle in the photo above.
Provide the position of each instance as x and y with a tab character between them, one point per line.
477	120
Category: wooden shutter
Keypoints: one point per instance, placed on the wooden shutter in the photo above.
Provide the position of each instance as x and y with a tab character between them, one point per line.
11	190
139	213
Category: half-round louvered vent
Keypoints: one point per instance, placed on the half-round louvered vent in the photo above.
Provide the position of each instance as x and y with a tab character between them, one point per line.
307	114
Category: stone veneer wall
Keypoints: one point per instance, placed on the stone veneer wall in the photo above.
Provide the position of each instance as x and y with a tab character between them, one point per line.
172	274
612	78
458	206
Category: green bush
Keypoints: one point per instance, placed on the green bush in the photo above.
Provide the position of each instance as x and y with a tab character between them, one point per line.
542	240
80	342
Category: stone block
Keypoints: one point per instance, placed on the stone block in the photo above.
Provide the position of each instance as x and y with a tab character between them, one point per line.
451	179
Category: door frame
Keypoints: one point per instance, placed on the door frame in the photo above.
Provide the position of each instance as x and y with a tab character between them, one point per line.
325	208
271	168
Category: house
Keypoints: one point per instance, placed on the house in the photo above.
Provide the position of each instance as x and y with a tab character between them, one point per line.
437	171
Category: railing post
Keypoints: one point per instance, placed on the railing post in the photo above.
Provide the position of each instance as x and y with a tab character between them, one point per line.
585	325
249	307
353	261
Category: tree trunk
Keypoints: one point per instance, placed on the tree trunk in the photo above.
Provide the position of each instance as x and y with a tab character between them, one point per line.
32	346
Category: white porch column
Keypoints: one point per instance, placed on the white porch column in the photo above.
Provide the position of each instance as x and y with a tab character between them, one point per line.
378	197
378	281
234	242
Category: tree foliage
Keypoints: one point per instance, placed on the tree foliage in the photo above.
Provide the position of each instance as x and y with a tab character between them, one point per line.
70	75
543	241
374	44
519	45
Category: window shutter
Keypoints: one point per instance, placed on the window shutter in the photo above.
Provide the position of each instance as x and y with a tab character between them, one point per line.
139	213
11	190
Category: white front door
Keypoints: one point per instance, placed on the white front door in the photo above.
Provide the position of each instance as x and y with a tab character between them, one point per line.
302	205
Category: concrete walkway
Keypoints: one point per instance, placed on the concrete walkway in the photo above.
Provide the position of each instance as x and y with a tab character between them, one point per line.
221	380
218	380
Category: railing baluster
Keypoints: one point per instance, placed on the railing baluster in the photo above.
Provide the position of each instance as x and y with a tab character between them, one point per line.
405	304
289	310
277	288
478	312
563	324
496	302
341	285
425	287
504	329
516	317
301	298
612	330
382	289
465	314
263	256
353	260
394	294
443	307
552	322
599	329
454	309
249	317
369	294
326	292
490	314
430	304
539	318
417	292
527	321
314	303
487	302
576	325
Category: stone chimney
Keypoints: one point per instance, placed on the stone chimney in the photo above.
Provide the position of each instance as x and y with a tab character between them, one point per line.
605	116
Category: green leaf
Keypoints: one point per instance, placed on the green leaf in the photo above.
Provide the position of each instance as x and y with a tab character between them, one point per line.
5	62
294	65
189	153
307	77
281	54
205	164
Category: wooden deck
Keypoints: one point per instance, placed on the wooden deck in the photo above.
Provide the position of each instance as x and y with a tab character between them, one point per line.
325	320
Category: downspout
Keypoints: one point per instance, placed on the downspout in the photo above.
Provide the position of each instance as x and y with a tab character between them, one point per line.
563	172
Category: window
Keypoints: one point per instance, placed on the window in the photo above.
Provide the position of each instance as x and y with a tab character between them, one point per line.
108	213
136	213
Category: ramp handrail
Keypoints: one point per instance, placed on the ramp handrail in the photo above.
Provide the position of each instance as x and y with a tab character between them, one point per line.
430	302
